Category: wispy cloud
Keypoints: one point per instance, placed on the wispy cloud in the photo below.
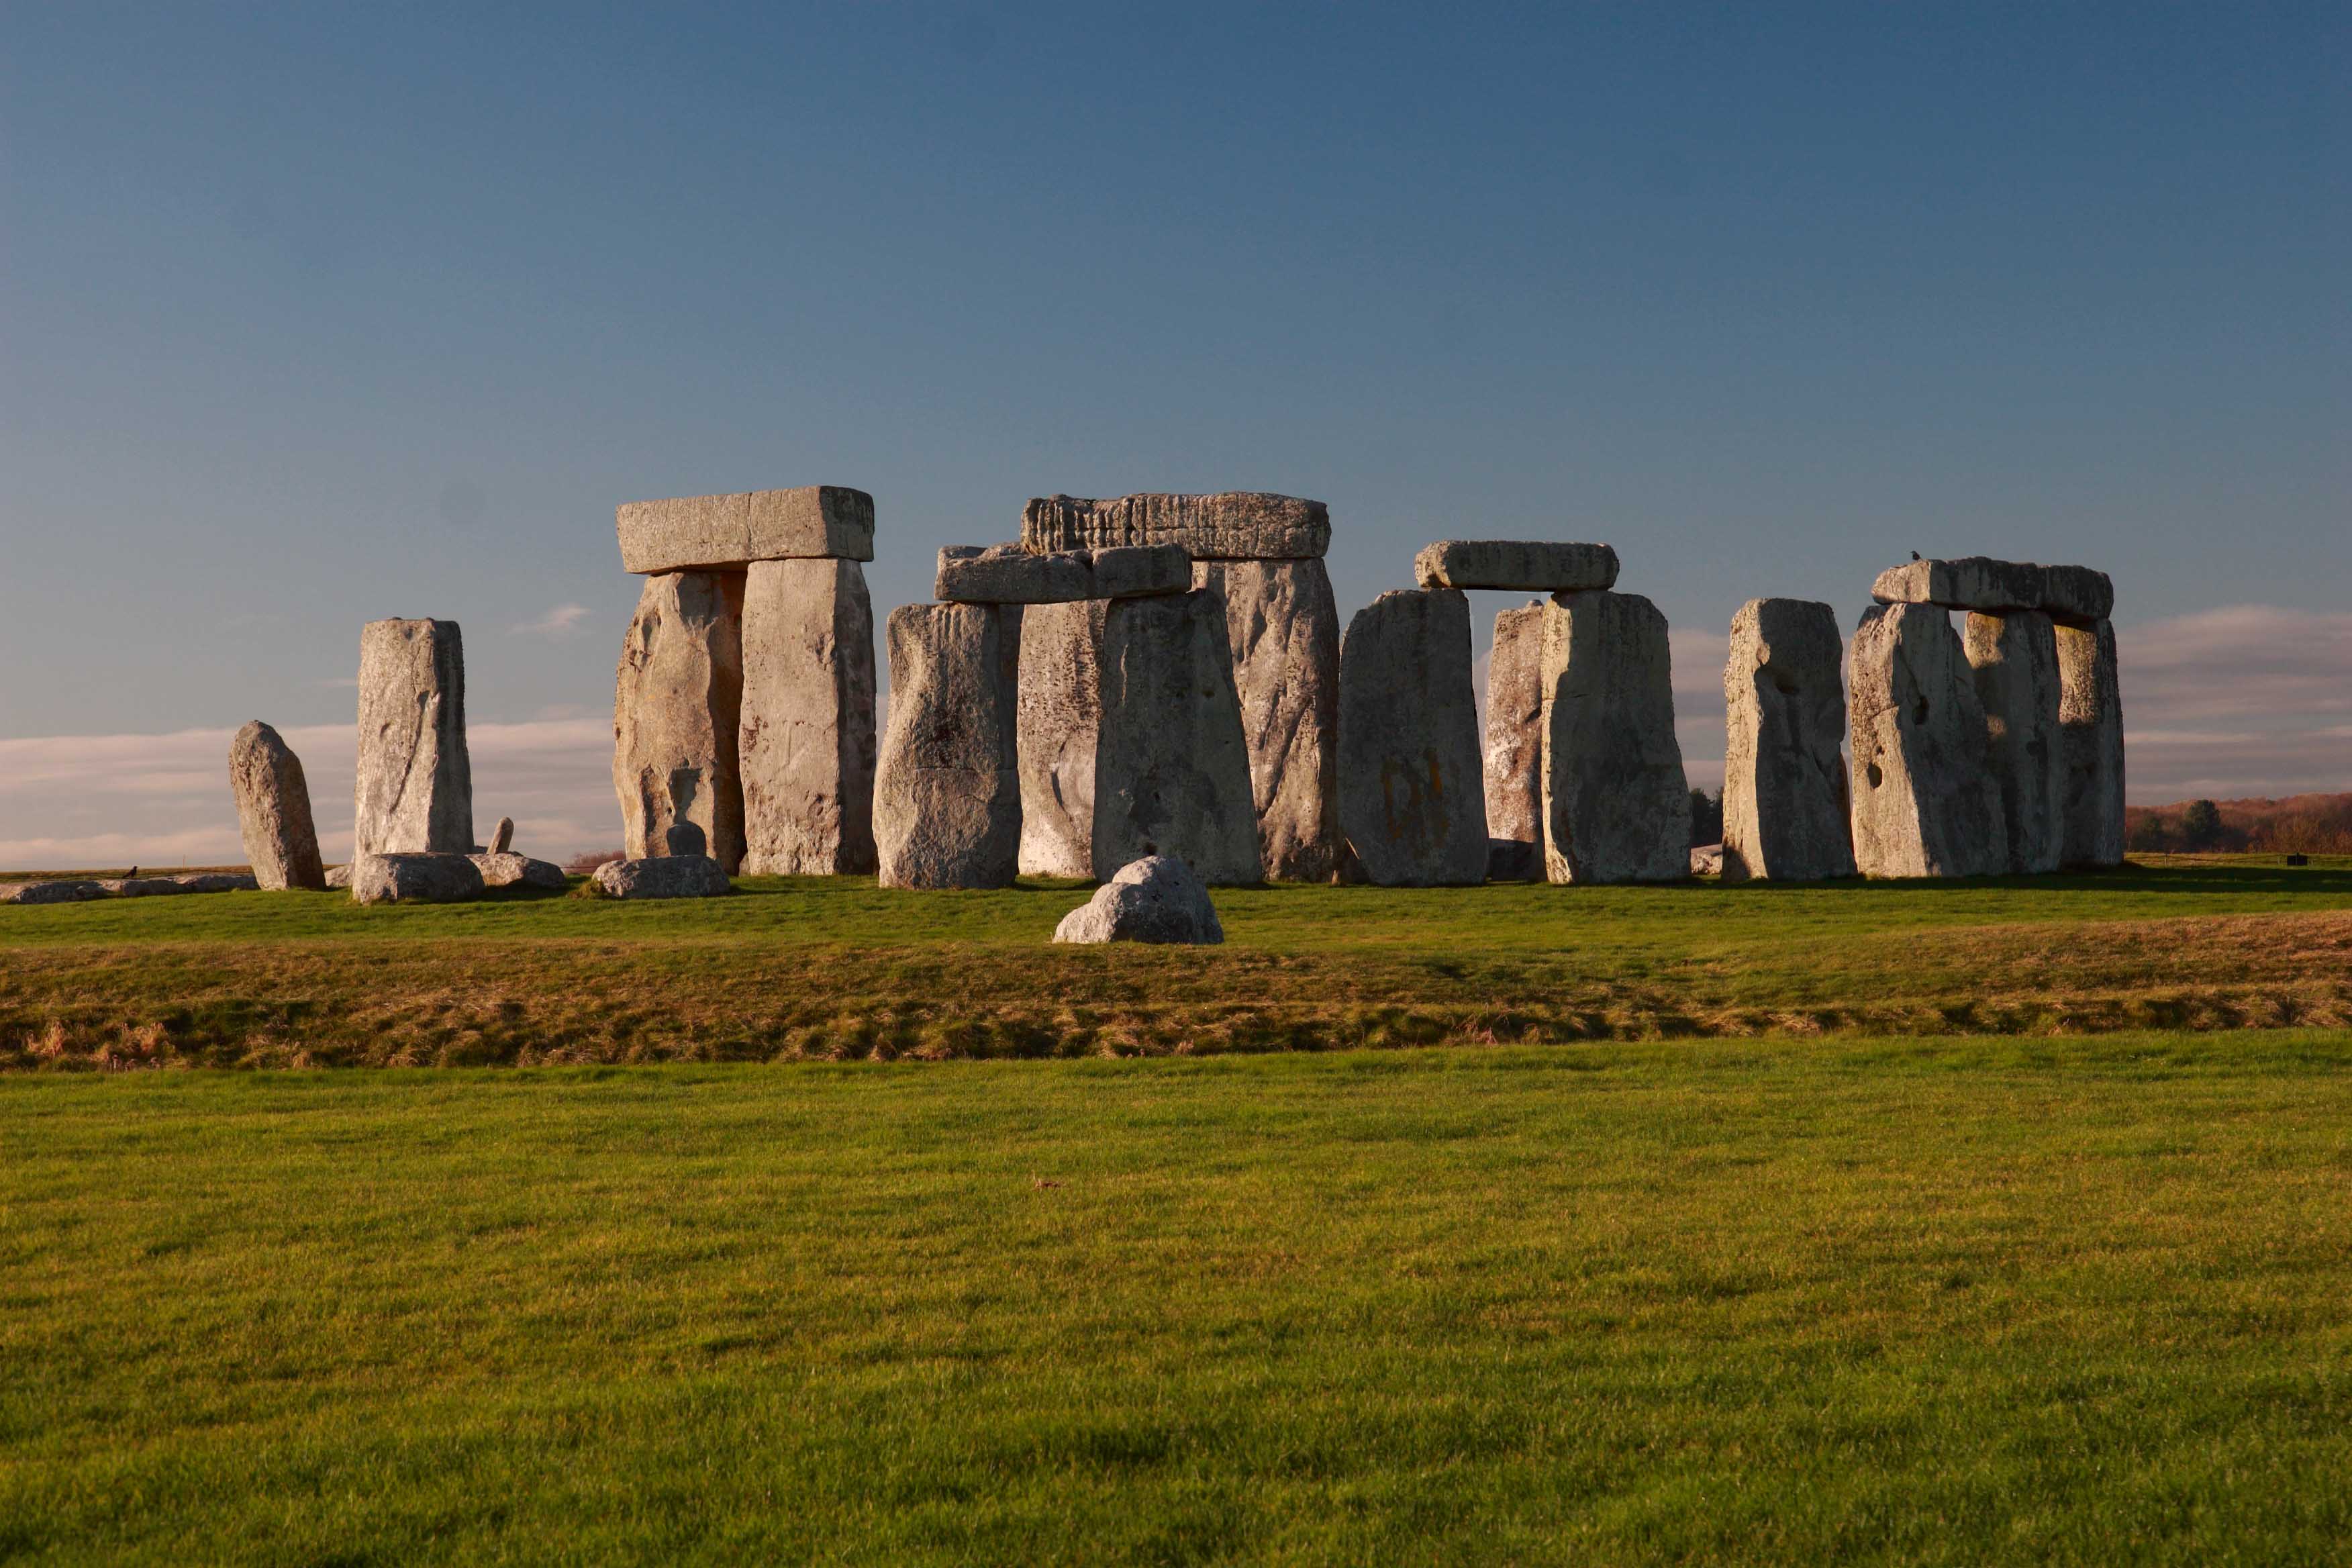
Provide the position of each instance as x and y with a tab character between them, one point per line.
563	621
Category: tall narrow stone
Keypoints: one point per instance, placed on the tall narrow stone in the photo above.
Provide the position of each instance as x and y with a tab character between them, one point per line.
1171	766
414	792
273	810
2091	731
1282	627
1924	801
677	704
947	792
1410	806
2015	658
1515	836
807	731
1060	721
1616	801
1784	776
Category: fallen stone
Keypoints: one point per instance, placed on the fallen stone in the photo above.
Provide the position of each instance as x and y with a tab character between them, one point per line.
339	877
415	786
273	810
502	836
2091	736
1707	861
1058	726
1232	525
1158	898
2014	659
1008	574
76	892
1784	777
1924	801
727	532
1517	566
142	887
217	882
1514	770
1616	802
807	752
430	878
663	877
1171	765
1412	806
1282	630
505	868
1979	582
947	791
678	698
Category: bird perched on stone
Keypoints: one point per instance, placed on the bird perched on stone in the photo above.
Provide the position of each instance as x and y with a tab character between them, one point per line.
1915	555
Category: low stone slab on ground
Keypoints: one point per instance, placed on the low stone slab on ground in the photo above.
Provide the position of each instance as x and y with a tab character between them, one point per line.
1230	525
1515	565
143	886
426	879
2076	594
218	882
727	532
663	877
74	892
1707	861
338	877
1157	899
505	868
1010	574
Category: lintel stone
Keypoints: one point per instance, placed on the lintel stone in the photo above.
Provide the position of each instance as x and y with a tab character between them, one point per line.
727	533
1008	574
2075	595
1231	525
1515	565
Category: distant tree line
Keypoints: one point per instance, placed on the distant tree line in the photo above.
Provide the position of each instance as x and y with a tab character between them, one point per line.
2308	825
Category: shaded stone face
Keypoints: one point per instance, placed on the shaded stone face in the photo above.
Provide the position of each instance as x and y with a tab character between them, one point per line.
1411	805
1282	630
1924	801
727	532
806	739
1008	574
677	707
1616	802
415	791
273	810
1784	776
2091	741
1060	720
2014	659
1232	525
1515	565
947	793
1514	762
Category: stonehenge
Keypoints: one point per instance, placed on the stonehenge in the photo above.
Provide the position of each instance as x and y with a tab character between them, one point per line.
807	729
1616	803
727	532
677	704
1515	835
2091	743
2014	659
1008	574
273	810
414	791
1924	803
1784	774
947	792
1412	802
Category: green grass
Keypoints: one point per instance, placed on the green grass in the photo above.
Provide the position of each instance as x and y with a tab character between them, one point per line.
1958	1301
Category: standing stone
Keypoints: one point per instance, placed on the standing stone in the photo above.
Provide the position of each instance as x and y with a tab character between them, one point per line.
273	810
1411	806
2091	731
1282	627
807	736
1515	835
676	702
1060	720
2014	658
947	794
1784	776
1616	803
502	836
416	788
1924	801
1172	764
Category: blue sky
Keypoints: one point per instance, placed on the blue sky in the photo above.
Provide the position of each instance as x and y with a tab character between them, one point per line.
309	315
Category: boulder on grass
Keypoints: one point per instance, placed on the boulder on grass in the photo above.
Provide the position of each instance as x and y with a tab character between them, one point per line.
338	877
663	877
217	882
505	868
415	879
1156	899
60	892
143	886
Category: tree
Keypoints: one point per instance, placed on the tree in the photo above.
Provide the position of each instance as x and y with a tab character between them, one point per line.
2200	825
1706	816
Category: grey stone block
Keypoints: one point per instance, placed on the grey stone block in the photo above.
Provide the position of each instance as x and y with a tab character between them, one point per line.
1513	760
273	810
1172	764
1411	805
678	698
1517	566
1231	525
807	745
415	791
1924	800
727	532
2014	661
1784	774
1616	801
947	792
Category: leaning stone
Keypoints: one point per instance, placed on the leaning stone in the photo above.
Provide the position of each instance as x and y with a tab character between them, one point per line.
339	877
1059	725
663	877
1514	748
807	753
1924	800
217	882
947	790
1282	627
2015	658
1411	805
727	532
415	787
273	810
1232	525
502	836
2091	733
1158	898
1616	802
1172	764
1517	566
415	879
505	868
81	890
678	698
1784	774
142	887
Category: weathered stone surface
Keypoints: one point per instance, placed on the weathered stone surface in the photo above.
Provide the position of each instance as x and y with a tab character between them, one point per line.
1059	725
2076	596
502	836
217	882
685	838
1232	525
80	890
142	887
1707	861
2014	659
1518	565
425	878
338	877
1784	774
1158	898
1411	805
727	532
947	794
1282	628
663	877
415	787
808	754
1171	765
273	809
1924	801
505	868
1979	582
677	700
1514	748
1008	574
1616	803
2091	731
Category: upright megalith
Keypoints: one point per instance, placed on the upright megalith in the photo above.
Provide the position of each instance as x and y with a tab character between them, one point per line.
1924	800
1616	803
273	810
677	703
807	733
1172	764
416	788
2091	746
1784	774
1411	810
947	791
2014	659
1059	724
1515	835
1282	631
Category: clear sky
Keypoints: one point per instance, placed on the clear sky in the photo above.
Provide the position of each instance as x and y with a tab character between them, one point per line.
314	315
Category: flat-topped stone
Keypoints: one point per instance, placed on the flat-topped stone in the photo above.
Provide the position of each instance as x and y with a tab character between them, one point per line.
420	878
1515	565
2073	594
75	891
1008	574
1231	525
663	877
415	787
727	532
505	868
